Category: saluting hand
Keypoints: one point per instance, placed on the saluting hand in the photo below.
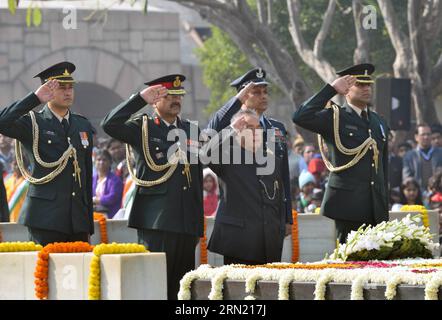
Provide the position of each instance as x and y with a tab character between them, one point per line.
244	93
45	92
154	93
343	84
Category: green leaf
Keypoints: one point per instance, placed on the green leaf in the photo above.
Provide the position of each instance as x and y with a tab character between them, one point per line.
36	16
12	5
29	15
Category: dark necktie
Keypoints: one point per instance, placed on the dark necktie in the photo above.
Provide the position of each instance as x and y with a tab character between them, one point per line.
364	115
65	124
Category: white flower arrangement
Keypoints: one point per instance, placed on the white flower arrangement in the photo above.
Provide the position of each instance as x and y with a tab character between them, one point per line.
400	272
384	235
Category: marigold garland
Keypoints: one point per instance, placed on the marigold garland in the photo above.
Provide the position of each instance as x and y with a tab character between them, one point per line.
418	208
94	290
101	218
203	245
19	246
42	267
295	237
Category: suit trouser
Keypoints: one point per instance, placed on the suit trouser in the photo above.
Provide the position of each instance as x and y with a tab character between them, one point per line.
44	237
180	254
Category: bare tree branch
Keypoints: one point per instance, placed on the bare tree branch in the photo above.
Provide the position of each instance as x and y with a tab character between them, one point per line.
325	29
362	51
257	42
397	37
262	11
269	12
322	67
436	77
432	17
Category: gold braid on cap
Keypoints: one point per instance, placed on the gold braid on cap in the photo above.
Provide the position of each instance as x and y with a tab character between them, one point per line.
358	153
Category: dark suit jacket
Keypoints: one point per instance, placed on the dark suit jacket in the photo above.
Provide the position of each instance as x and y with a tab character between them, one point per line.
251	218
395	171
172	205
60	205
358	193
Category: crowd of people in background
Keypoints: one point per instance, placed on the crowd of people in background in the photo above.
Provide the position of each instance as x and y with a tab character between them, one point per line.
415	175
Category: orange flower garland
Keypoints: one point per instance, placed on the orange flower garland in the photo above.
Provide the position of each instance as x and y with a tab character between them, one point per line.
101	218
203	245
42	268
295	237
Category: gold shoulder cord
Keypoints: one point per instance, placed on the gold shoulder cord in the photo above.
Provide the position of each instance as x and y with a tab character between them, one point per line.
358	152
171	165
59	165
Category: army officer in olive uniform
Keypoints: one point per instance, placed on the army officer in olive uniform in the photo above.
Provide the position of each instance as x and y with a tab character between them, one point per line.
356	137
58	142
167	210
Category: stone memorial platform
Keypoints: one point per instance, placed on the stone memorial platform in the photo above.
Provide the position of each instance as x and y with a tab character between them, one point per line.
268	290
138	276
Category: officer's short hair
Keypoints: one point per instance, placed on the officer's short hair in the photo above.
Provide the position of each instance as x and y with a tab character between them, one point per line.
242	112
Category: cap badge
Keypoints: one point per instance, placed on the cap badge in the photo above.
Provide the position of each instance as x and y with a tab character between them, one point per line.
177	82
259	74
366	73
66	72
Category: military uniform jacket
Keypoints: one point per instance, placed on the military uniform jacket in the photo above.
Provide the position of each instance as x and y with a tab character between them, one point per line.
173	205
251	218
358	193
59	205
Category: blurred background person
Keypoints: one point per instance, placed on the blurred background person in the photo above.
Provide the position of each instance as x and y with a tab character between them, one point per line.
117	151
425	160
316	201
308	153
410	194
318	169
107	188
436	135
211	192
403	148
6	153
16	189
306	185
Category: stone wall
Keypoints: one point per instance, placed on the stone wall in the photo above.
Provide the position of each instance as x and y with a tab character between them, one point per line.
129	49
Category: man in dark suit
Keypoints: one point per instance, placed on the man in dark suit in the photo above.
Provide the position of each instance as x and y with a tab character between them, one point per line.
167	210
58	206
255	210
424	161
356	137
